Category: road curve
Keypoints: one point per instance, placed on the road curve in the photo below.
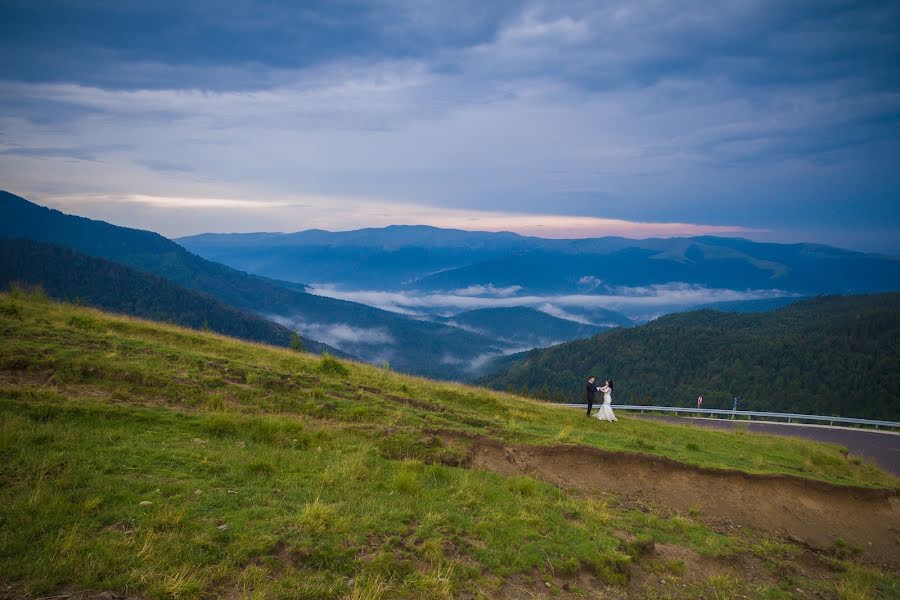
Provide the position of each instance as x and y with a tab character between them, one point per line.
880	447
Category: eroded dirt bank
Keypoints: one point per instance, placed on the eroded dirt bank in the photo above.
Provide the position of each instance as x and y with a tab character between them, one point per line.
810	512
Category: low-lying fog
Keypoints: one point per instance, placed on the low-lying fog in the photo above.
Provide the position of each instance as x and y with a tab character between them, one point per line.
639	304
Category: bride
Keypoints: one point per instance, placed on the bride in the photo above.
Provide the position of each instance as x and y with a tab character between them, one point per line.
606	412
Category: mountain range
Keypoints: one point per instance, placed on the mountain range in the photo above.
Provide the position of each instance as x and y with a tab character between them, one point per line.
828	355
518	292
408	344
431	259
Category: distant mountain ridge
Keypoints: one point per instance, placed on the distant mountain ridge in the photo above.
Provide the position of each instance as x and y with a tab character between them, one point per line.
139	249
432	259
392	256
409	345
66	274
719	263
834	355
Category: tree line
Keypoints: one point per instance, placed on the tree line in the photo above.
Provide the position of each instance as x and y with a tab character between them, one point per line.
837	355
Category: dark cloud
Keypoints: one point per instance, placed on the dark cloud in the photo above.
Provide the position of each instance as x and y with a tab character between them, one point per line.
221	44
240	44
763	114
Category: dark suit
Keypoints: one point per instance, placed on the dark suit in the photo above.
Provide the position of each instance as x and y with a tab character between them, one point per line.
591	391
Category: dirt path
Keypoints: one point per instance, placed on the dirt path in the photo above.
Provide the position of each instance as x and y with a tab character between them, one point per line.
813	513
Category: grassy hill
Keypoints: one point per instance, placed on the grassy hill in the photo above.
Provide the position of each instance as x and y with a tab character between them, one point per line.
159	462
832	355
69	275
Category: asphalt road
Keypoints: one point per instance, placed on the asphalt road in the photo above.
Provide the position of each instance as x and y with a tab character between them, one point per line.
882	448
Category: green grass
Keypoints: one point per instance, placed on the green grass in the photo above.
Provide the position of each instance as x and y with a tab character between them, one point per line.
129	360
168	463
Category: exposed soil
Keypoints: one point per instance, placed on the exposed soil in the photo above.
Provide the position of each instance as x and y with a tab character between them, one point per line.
809	512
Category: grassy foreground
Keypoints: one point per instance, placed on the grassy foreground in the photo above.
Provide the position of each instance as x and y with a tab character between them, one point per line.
167	463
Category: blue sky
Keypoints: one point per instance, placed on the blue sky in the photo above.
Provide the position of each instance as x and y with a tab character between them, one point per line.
775	120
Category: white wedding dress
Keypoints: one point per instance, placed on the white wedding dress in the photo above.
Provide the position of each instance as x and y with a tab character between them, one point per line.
606	412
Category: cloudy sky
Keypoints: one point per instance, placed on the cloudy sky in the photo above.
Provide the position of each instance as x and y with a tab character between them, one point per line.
773	120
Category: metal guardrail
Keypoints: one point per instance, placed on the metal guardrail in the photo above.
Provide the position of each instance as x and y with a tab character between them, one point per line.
750	414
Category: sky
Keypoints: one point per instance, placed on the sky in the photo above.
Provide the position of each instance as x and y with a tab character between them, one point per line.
773	120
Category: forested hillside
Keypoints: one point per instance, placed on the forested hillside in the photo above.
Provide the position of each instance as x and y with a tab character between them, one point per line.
831	355
522	325
69	275
371	334
142	250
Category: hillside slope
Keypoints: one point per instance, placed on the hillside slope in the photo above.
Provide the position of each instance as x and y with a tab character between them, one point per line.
162	462
369	333
142	250
168	463
69	275
830	355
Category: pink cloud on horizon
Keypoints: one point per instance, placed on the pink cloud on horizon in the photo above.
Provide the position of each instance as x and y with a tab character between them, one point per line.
181	215
561	226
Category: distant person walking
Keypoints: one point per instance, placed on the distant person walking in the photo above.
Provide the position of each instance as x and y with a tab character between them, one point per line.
734	406
591	391
606	412
699	402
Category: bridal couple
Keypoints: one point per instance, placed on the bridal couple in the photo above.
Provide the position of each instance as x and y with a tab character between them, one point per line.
606	412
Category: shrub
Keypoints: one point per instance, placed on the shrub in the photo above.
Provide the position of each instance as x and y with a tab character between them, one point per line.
329	365
296	343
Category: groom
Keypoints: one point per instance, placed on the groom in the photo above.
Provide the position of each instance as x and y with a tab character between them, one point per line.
591	390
